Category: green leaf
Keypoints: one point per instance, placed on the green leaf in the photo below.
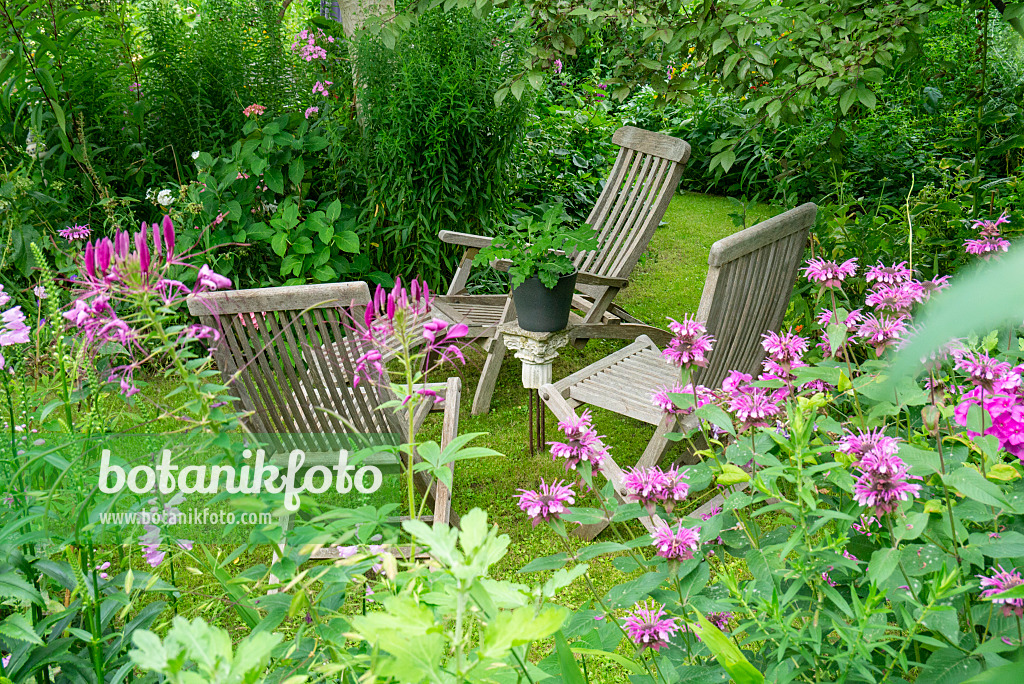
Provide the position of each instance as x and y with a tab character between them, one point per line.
882	564
296	170
949	666
726	653
347	241
971	484
724	159
279	243
847	99
630	665
13	585
567	665
732	474
17	626
552	562
274	179
517	627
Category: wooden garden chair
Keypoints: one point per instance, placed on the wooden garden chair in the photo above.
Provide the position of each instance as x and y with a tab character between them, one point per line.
746	293
635	197
288	354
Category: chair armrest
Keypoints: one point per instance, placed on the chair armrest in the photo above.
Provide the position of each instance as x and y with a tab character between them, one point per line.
590	279
464	239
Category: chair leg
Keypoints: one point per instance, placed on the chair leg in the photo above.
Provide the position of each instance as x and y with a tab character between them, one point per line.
489	376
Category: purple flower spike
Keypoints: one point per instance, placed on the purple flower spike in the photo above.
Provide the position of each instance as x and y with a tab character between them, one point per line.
168	227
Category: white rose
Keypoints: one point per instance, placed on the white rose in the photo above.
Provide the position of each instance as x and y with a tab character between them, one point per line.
165	198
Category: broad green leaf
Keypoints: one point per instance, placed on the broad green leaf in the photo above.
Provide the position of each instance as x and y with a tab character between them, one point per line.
882	564
13	585
971	484
567	665
552	562
732	474
513	628
17	626
726	653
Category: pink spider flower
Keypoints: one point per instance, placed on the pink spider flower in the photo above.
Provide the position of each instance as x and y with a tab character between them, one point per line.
829	274
582	443
882	331
648	627
997	583
690	345
547	503
888	275
676	545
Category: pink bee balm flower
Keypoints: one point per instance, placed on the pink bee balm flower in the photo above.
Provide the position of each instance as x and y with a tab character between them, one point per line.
73	233
661	399
829	273
987	246
582	443
897	298
786	349
754	407
859	444
982	370
548	503
676	545
1000	581
888	275
254	110
690	345
648	627
882	331
651	486
883	482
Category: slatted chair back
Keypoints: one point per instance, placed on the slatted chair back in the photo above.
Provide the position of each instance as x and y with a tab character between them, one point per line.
288	353
633	202
750	278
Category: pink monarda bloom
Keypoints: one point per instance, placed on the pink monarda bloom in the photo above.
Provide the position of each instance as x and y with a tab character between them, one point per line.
1004	406
888	275
74	233
548	503
582	443
254	110
1000	581
829	273
882	331
651	486
786	349
883	482
676	545
981	369
661	399
991	241
690	345
899	298
648	627
861	443
754	407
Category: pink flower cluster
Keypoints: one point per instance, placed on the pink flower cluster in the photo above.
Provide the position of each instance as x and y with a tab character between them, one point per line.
582	443
321	88
661	399
999	390
125	270
676	545
73	233
752	406
648	627
254	109
690	345
884	480
991	240
829	274
1000	581
652	486
548	503
13	329
307	47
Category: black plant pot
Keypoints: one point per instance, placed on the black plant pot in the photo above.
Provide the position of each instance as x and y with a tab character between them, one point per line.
541	309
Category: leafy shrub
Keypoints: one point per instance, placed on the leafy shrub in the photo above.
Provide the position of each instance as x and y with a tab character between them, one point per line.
436	148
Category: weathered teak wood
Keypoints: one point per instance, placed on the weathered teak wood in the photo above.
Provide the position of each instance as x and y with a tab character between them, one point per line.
289	355
635	197
749	282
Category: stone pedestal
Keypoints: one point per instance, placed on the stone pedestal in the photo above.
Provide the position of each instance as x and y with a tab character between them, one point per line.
537	350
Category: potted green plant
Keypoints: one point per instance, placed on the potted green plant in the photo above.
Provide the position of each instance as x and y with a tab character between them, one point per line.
543	275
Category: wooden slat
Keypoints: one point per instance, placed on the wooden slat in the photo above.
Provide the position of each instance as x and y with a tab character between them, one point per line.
288	298
649	142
